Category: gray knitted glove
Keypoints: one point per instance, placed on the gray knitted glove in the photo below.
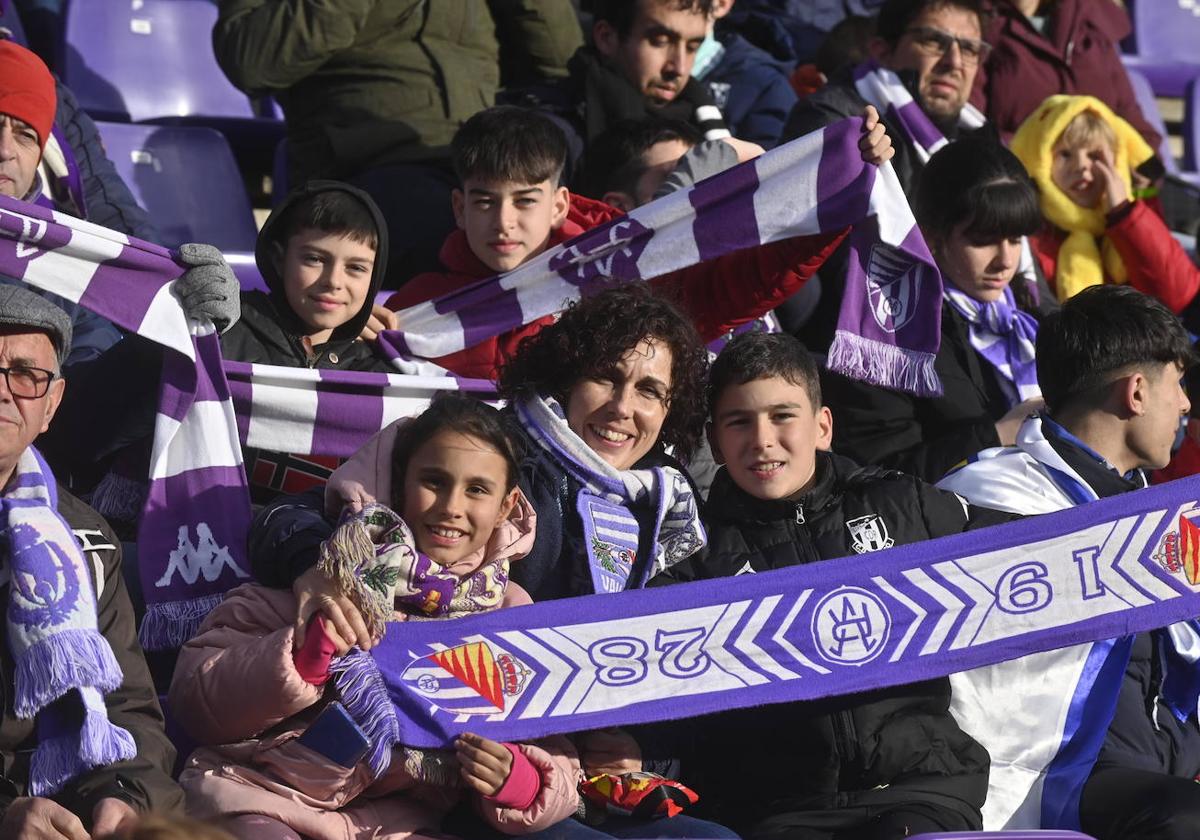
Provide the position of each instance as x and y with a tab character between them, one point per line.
209	289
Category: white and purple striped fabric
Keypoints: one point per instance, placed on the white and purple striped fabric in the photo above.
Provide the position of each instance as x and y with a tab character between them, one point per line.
815	184
883	89
191	543
329	412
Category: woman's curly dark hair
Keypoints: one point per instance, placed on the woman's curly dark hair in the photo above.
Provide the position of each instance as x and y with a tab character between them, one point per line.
594	334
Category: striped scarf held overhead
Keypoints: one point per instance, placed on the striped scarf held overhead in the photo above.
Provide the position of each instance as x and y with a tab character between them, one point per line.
816	184
191	542
1006	336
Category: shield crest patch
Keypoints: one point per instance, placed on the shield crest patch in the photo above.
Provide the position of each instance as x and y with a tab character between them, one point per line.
893	286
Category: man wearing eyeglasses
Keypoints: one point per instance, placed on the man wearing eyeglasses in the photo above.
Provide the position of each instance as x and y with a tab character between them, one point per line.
935	46
65	601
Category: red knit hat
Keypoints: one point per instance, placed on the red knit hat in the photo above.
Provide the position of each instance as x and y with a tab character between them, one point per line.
27	89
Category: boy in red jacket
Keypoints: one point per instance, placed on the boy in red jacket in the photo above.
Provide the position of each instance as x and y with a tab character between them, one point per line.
512	206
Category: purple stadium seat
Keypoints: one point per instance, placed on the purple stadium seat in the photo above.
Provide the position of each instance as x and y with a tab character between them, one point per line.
186	179
1149	106
1004	835
147	60
1163	43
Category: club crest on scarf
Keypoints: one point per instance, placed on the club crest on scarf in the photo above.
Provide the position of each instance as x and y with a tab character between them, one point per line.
52	596
1178	550
476	678
893	286
611	250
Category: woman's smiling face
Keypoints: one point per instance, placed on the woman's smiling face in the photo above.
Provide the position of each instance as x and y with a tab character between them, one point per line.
619	413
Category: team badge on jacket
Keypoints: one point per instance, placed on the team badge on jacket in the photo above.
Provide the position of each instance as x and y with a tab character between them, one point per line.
869	533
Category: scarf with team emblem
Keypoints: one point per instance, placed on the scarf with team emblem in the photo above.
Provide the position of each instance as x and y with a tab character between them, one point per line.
890	617
63	665
610	529
192	534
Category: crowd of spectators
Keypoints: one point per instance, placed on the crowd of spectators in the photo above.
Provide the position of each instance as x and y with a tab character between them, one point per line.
431	146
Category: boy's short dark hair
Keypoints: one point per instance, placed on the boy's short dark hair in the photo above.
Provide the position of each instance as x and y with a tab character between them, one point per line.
621	13
452	411
897	15
508	143
334	211
761	355
613	161
1100	331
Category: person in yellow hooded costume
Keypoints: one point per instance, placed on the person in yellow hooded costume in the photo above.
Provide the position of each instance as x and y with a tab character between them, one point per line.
1081	156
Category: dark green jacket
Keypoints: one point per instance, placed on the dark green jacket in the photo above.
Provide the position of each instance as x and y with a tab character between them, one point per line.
370	82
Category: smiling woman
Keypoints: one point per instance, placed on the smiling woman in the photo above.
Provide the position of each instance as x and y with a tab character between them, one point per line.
600	395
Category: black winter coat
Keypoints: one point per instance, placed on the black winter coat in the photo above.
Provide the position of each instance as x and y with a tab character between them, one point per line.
825	763
922	436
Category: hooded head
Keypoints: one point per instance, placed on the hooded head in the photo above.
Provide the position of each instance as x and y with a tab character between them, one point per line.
323	255
27	103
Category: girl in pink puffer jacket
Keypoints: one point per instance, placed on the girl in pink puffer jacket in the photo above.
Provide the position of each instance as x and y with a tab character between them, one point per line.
285	755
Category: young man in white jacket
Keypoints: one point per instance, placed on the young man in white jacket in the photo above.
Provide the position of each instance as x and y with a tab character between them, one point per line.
1092	736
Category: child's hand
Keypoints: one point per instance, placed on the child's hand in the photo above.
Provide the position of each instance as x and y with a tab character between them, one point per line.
875	145
381	319
1115	191
612	751
485	765
344	624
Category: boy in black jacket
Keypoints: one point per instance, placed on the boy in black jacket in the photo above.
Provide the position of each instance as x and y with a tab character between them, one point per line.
881	764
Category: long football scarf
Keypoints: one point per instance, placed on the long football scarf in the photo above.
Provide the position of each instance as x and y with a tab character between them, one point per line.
63	665
889	331
193	530
1043	716
910	613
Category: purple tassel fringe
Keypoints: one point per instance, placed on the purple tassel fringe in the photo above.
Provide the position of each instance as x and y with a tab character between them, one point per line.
366	698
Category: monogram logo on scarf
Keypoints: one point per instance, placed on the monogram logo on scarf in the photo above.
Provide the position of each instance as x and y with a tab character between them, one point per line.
470	679
850	626
50	597
893	286
611	250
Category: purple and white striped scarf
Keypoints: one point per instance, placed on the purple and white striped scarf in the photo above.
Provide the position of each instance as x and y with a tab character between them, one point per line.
329	412
883	89
191	543
56	645
815	184
610	528
1006	336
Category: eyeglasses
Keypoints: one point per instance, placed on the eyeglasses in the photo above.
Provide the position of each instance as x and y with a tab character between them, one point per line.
937	42
28	383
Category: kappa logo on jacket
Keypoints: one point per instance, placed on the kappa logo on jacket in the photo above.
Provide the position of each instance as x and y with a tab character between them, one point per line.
869	533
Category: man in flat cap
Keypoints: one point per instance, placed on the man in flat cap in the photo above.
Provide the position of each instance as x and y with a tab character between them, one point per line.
82	746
